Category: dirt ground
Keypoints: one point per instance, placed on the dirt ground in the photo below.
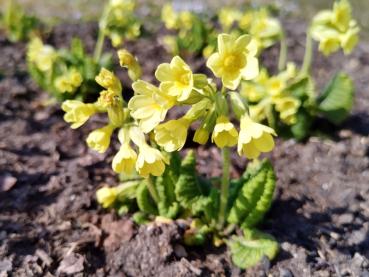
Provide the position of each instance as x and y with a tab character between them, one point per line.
51	225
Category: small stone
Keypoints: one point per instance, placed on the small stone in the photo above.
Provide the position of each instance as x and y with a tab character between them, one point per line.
346	218
180	251
284	272
6	266
71	264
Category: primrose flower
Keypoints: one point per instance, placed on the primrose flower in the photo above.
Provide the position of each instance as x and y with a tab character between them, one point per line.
69	82
124	161
126	59
254	138
201	136
112	101
176	78
335	28
150	161
149	105
224	134
77	112
43	56
172	135
169	17
99	139
106	196
108	80
234	60
228	16
287	108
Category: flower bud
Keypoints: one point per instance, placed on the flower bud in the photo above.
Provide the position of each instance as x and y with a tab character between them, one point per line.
201	136
239	105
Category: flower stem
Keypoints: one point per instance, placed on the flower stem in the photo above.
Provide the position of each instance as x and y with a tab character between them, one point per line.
152	190
99	45
282	53
224	190
308	55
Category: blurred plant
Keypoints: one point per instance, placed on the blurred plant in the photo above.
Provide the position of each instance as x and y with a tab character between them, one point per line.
17	24
288	101
159	183
70	73
65	73
192	32
119	23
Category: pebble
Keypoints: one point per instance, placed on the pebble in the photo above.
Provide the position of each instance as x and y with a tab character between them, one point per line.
180	251
346	218
284	272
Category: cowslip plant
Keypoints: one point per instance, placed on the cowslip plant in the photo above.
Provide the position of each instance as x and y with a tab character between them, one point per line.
70	73
265	29
288	100
64	73
160	183
119	23
191	32
18	25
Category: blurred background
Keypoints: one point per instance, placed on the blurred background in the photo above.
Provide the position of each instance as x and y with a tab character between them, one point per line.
74	10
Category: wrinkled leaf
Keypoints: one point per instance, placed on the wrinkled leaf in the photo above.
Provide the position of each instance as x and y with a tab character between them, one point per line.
255	197
247	251
337	99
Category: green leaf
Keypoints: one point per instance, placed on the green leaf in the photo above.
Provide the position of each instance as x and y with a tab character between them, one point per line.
167	205
144	201
247	251
140	218
301	129
337	99
187	188
255	197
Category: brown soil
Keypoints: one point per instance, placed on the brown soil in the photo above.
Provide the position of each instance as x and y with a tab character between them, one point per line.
50	223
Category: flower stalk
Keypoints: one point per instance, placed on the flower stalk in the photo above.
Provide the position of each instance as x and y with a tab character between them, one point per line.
224	189
308	57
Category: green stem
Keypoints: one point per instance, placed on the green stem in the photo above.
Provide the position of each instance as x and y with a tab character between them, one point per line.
152	190
282	53
224	190
308	57
99	45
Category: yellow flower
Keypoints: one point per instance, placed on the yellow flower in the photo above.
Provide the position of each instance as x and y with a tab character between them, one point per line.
341	15
176	78
99	139
106	196
150	161
124	161
112	101
234	60
254	138
43	56
224	134
287	108
227	17
169	17
149	105
108	80
349	40
186	20
69	82
172	135
126	59
201	136
77	112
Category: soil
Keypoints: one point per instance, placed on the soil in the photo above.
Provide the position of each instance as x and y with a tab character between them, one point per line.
51	225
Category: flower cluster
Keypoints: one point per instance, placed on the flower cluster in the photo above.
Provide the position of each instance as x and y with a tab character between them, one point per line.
148	161
336	28
179	86
43	56
193	31
265	29
266	93
119	21
234	61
